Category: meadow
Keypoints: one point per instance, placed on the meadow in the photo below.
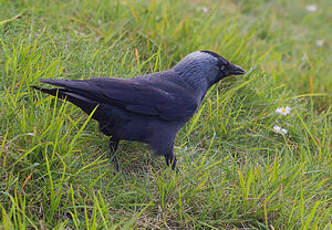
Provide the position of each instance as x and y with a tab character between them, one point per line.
238	170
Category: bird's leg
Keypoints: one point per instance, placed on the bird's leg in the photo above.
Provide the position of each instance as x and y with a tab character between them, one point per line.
171	159
113	147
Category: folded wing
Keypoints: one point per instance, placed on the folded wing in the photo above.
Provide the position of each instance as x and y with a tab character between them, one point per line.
166	100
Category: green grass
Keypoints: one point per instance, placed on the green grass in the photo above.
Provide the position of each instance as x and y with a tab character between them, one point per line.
236	173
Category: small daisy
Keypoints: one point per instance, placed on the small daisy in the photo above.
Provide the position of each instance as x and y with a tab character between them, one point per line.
319	43
283	111
279	130
205	9
311	8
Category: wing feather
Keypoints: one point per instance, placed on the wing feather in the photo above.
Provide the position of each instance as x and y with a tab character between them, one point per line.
166	99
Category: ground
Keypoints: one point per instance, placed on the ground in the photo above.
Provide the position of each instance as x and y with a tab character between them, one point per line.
245	161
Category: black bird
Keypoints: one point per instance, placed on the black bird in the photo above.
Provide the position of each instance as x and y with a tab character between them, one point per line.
149	108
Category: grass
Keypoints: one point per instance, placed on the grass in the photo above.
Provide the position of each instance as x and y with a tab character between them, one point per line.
236	173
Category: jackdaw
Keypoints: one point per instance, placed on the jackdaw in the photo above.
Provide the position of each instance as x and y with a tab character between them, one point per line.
149	108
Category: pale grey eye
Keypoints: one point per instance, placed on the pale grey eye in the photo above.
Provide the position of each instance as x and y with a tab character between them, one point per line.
222	67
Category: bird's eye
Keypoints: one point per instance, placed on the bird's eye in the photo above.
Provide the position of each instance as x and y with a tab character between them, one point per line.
222	67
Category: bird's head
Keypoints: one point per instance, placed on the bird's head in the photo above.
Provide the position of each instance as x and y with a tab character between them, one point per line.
202	69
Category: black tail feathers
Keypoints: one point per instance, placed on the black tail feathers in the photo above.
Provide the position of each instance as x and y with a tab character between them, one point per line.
83	103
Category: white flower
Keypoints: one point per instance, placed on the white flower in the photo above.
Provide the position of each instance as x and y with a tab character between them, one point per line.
311	8
279	130
205	9
319	43
283	111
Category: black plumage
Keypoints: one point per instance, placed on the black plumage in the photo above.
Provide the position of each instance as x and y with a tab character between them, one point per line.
150	108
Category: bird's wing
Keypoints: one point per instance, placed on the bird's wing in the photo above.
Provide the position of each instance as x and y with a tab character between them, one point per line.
165	100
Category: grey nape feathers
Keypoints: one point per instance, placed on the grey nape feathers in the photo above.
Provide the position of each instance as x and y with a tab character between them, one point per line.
149	108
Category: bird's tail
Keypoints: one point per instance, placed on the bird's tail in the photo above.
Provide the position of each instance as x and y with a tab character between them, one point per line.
53	92
85	104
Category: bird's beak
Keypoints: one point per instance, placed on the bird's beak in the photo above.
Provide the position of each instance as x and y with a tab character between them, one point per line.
236	70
